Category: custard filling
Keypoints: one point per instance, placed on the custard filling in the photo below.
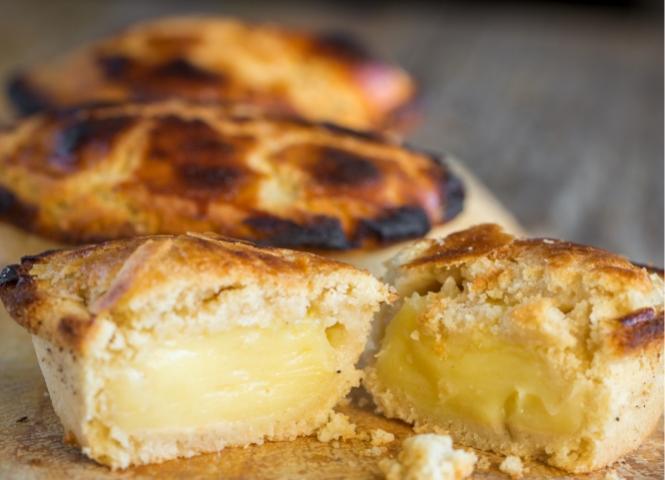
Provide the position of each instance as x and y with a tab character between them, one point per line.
481	379
246	373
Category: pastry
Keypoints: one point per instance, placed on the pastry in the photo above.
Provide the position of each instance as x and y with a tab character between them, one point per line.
429	457
324	77
168	346
101	173
532	347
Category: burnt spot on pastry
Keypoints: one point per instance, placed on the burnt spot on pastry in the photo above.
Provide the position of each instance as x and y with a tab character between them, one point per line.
85	133
459	246
182	69
359	134
319	231
209	176
342	45
74	329
18	292
9	275
396	224
27	261
148	81
25	97
15	210
115	67
190	158
451	186
339	167
639	328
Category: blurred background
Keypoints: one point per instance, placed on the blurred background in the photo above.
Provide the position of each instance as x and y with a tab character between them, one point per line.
556	106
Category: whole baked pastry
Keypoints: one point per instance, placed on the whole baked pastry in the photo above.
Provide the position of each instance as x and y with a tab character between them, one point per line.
531	347
325	77
168	346
99	173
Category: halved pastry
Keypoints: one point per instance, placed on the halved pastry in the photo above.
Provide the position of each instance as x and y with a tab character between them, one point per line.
168	346
102	173
323	77
538	348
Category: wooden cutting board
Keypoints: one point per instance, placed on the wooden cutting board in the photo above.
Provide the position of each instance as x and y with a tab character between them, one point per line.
31	444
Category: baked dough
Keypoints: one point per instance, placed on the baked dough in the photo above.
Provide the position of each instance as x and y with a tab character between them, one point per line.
322	77
531	347
429	457
107	172
112	172
168	346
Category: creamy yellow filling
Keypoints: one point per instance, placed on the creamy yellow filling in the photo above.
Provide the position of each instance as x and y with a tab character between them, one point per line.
241	374
481	379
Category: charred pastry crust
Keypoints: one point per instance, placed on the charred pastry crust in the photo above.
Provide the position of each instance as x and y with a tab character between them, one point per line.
639	329
224	60
105	172
9	275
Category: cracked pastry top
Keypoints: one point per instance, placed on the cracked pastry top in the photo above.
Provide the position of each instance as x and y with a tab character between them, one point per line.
168	346
322	77
110	172
532	347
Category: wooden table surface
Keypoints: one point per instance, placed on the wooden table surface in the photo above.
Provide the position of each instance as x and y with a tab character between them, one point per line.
556	107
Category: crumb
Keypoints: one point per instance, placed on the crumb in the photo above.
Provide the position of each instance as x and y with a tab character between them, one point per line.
483	463
429	456
381	437
415	335
374	451
338	426
512	465
363	402
612	475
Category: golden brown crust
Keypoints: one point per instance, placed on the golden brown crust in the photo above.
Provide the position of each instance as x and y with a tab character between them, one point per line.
322	77
489	240
611	274
639	329
112	172
61	295
592	317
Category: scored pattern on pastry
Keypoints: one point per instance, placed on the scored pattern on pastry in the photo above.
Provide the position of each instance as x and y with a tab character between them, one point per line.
322	77
171	167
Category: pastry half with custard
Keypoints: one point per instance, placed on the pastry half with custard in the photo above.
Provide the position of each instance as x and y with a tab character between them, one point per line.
532	347
319	76
168	346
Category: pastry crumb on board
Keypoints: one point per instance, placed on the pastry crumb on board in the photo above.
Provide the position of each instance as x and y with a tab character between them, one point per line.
513	466
429	456
338	427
